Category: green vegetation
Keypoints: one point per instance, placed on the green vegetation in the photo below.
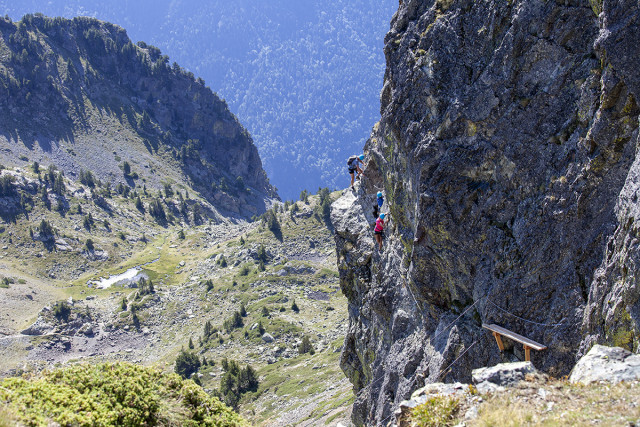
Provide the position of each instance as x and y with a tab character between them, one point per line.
61	310
436	411
112	394
236	382
45	229
245	273
233	322
306	346
187	364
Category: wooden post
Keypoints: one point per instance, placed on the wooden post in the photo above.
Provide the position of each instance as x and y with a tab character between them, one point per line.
499	341
527	353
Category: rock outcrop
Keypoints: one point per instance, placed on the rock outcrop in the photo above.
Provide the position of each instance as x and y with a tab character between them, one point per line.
506	152
610	364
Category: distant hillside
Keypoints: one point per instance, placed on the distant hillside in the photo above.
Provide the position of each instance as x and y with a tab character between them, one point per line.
80	95
304	77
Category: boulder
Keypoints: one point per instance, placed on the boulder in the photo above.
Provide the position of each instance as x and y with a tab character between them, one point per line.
40	327
611	364
500	376
268	338
86	329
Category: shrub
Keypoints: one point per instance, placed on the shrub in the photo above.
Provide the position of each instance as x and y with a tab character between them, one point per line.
244	270
157	211
294	306
45	229
61	310
233	322
86	178
6	185
89	245
306	346
111	394
436	411
236	382
187	363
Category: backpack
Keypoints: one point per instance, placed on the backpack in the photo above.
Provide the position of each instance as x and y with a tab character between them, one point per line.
351	160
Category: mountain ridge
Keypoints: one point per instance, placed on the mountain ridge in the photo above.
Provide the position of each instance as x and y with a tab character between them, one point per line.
303	79
84	84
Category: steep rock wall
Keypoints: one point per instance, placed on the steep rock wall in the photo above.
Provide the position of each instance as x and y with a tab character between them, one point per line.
506	152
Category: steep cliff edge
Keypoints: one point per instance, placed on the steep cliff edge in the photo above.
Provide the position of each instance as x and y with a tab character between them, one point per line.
506	152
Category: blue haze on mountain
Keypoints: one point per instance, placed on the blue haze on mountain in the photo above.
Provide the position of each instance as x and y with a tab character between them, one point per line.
304	77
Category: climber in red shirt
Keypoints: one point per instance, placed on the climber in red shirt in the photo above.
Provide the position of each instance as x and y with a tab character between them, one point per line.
378	231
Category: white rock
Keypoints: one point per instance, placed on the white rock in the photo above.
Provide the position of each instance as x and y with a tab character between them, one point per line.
501	375
268	338
611	364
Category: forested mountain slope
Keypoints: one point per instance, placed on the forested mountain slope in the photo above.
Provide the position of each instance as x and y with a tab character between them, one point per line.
304	77
79	95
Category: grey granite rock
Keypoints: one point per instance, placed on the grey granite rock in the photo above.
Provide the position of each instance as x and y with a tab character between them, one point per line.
268	338
40	327
501	376
506	152
611	364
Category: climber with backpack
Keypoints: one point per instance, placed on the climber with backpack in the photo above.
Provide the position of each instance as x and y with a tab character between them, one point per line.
378	230
378	205
354	163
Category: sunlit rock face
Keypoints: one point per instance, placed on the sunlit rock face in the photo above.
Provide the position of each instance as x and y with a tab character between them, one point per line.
506	154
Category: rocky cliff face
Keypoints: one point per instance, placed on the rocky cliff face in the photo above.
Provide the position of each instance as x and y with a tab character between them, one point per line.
79	94
506	152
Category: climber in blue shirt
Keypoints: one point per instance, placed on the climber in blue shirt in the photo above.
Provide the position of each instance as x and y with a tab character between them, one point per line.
378	205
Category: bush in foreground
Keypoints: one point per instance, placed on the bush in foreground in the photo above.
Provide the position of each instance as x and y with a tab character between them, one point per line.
112	394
